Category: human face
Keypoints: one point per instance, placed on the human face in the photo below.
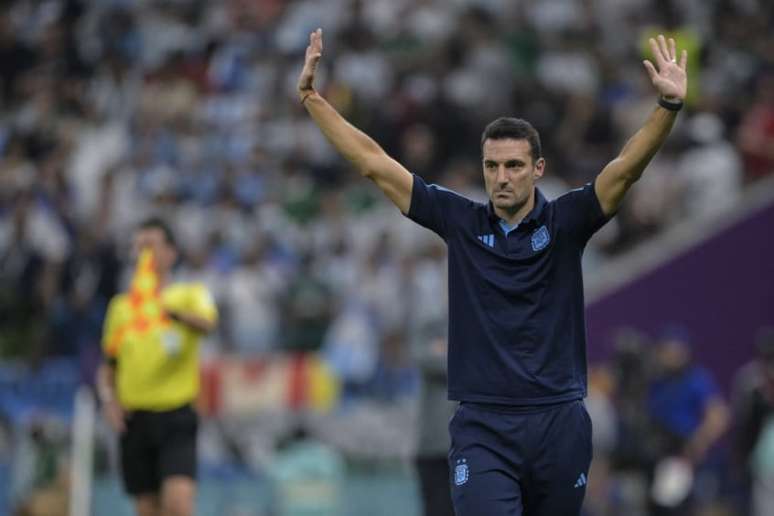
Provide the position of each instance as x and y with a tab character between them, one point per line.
673	355
164	254
510	174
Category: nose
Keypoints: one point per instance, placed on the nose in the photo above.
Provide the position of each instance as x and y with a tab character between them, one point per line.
502	175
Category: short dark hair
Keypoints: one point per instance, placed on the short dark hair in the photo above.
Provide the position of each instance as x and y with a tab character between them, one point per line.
160	224
515	128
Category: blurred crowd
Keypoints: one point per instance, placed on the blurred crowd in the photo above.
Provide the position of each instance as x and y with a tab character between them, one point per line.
117	109
113	110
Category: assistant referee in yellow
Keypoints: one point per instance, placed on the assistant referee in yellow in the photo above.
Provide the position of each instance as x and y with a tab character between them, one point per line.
150	378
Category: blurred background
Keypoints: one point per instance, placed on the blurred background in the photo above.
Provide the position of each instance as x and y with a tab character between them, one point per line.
324	382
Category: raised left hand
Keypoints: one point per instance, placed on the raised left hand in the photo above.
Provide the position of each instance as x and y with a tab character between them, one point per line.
670	79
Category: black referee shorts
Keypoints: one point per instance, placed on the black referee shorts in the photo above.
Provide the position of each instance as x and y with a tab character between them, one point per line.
157	445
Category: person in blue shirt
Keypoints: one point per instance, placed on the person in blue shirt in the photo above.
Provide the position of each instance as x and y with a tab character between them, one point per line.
687	411
521	437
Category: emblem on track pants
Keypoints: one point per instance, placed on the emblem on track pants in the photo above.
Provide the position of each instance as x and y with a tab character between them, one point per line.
461	472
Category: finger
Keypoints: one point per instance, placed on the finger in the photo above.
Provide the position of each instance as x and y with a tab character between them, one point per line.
683	59
663	46
310	46
651	70
672	50
656	52
314	47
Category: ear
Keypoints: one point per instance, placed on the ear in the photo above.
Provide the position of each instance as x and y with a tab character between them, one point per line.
540	166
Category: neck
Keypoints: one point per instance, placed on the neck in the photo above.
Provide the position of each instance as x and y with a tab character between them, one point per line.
516	214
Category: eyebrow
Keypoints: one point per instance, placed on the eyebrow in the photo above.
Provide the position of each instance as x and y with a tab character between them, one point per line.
508	162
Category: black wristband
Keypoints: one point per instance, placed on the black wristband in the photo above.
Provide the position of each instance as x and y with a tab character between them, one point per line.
671	106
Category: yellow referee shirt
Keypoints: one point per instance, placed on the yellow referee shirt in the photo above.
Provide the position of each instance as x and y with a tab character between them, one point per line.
157	360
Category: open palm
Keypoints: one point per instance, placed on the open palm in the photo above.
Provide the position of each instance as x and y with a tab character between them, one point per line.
668	76
312	58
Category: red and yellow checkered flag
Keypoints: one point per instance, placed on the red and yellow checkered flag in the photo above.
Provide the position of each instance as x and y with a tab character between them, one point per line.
145	303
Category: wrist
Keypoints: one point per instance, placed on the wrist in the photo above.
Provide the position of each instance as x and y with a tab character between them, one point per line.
105	396
670	103
694	450
305	94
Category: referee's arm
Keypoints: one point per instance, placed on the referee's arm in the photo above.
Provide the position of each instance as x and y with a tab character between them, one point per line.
106	374
671	82
108	398
370	159
197	323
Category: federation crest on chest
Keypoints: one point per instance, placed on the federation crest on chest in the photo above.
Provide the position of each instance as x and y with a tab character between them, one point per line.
540	238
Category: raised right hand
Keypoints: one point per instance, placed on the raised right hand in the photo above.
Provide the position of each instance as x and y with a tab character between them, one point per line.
313	55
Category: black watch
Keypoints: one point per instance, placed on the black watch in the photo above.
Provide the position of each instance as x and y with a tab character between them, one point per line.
669	104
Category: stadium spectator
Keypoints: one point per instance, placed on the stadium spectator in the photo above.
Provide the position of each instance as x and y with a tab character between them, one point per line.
756	131
689	416
710	169
753	404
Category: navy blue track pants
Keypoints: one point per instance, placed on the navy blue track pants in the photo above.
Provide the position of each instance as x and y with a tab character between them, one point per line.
514	461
